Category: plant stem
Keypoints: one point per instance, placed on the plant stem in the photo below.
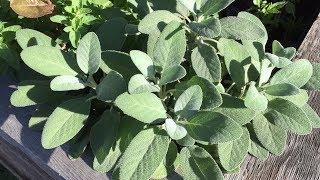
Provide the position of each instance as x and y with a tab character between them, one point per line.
230	87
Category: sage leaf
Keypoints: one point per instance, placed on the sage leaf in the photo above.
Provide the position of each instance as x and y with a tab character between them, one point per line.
191	5
236	57
145	107
209	28
284	89
172	74
231	154
61	19
103	134
89	53
143	62
31	93
314	81
297	73
30	37
258	22
235	109
156	21
189	102
299	99
240	29
186	141
211	7
112	34
171	46
254	99
120	62
312	116
198	164
144	155
278	62
206	63
174	130
279	50
271	136
10	56
65	122
211	96
78	144
56	62
212	127
266	71
66	83
40	116
256	149
169	164
138	84
152	41
128	129
111	87
289	116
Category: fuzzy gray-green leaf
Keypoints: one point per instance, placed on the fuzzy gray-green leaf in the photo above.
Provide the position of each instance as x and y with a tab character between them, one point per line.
138	84
231	154
312	115
189	102
271	136
103	134
30	37
65	122
289	116
235	109
209	28
66	83
297	73
197	164
240	29
284	89
145	107
156	21
172	74
212	127
206	63
255	100
211	96
174	130
143	62
89	53
48	61
143	155
128	129
31	93
111	87
211	7
171	46
120	62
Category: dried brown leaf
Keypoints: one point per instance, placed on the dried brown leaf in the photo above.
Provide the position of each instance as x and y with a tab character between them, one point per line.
32	8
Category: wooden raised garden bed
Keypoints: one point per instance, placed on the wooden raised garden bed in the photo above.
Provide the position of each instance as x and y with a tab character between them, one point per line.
21	151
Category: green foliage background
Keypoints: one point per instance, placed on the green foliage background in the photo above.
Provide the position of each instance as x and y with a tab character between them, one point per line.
154	87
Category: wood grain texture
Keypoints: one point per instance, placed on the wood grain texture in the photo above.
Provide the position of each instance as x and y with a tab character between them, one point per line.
301	159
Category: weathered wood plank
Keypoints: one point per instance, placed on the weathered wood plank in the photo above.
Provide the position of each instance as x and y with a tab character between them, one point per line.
301	160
